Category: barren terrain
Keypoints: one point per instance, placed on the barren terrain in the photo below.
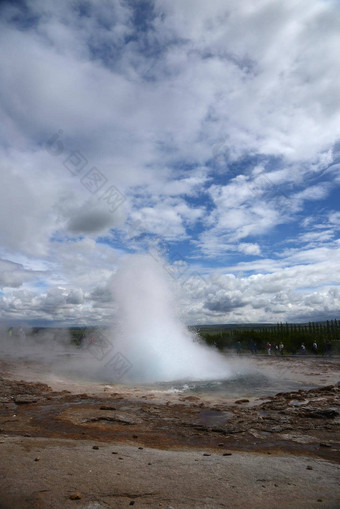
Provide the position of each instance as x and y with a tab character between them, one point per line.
71	443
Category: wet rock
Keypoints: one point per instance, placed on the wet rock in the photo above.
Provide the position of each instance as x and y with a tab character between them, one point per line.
324	413
117	418
279	429
309	467
190	398
95	447
275	405
206	454
22	399
298	395
37	458
297	403
241	401
227	454
6	399
76	496
107	407
327	388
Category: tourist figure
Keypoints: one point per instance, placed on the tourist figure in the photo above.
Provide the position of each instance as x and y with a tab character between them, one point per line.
281	348
21	334
329	348
252	346
238	348
303	349
315	347
324	348
269	348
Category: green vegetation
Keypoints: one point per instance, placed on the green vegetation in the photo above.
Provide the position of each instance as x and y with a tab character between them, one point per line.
291	335
77	335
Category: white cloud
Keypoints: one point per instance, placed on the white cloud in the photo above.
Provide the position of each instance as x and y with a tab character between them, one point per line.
14	275
251	249
25	220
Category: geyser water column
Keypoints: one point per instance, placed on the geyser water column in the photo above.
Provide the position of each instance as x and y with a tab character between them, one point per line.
149	332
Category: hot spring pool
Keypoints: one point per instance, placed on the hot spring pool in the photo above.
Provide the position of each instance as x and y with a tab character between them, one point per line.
242	385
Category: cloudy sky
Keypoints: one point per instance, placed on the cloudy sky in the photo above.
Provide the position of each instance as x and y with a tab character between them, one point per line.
204	133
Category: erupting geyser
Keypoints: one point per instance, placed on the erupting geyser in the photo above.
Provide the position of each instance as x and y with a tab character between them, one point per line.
149	332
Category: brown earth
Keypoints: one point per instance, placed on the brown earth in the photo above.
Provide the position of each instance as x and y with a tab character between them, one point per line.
98	449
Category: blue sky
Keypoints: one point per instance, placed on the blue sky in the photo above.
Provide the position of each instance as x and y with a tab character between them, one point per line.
207	134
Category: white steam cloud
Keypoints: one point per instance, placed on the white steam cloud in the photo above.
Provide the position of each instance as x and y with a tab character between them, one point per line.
149	333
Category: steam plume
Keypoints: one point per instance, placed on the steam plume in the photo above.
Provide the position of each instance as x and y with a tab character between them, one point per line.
150	335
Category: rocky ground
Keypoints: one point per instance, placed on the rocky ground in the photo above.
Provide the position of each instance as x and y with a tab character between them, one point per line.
113	448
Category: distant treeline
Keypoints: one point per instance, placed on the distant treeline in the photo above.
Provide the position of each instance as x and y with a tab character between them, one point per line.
291	335
227	336
77	334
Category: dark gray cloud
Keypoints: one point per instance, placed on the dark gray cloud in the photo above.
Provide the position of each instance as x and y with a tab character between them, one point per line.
89	221
101	294
14	275
75	297
224	304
